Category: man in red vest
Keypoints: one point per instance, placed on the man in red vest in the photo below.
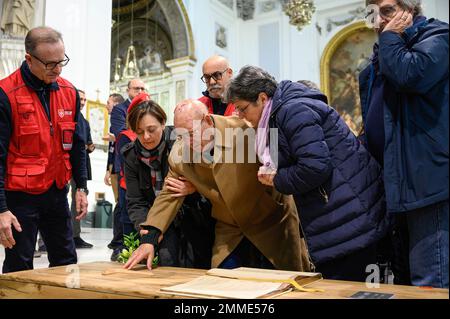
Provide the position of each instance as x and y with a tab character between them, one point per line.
216	75
40	145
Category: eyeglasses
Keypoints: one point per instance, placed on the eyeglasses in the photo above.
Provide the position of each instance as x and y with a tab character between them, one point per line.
189	135
217	76
51	65
388	11
137	88
242	110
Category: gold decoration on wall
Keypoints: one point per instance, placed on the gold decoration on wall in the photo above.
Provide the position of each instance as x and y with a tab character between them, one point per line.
331	48
300	12
97	113
346	55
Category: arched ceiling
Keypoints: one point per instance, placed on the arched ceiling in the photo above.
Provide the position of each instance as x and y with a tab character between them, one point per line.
162	24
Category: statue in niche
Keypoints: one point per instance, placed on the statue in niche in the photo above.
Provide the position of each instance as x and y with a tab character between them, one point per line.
268	6
151	62
17	17
246	9
221	37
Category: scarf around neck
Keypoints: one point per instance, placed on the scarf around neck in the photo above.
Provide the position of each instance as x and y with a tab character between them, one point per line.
262	147
153	158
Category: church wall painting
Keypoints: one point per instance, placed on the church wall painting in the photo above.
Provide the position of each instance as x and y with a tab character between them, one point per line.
347	54
98	118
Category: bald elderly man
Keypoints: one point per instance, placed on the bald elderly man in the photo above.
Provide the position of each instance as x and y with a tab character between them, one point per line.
255	227
216	75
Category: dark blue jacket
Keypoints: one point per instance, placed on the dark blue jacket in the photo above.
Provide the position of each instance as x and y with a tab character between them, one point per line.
119	118
118	125
85	128
336	184
414	67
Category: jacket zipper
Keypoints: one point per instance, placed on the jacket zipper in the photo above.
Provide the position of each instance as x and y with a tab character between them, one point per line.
323	193
49	116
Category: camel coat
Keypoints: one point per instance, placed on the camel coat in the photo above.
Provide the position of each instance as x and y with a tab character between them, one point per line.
241	205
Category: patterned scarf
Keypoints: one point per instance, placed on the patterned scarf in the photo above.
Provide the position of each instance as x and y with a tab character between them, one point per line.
153	160
261	145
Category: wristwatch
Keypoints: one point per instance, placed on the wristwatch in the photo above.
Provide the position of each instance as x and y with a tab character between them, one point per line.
84	190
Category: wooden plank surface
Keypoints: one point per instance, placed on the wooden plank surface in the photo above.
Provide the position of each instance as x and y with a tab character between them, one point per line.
108	280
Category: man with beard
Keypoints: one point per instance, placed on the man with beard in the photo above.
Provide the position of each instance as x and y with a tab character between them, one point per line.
216	75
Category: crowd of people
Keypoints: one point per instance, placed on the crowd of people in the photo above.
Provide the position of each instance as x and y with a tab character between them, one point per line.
255	173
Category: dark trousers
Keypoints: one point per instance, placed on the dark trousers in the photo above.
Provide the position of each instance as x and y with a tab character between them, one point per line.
246	255
49	213
128	226
117	240
393	252
76	224
428	245
351	267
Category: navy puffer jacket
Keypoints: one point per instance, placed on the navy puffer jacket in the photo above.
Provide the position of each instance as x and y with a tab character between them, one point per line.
415	70
336	183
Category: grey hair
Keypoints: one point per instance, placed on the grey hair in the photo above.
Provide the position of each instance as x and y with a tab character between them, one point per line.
40	35
409	5
249	83
309	84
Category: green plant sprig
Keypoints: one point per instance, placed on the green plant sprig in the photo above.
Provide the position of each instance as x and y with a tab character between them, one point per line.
132	243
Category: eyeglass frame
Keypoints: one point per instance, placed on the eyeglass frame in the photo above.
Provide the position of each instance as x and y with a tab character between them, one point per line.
136	88
66	61
384	16
191	134
217	76
242	110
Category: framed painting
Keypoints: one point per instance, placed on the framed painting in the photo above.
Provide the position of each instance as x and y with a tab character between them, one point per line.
98	118
346	55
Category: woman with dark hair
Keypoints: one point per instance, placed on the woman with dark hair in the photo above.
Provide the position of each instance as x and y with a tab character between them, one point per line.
188	242
335	182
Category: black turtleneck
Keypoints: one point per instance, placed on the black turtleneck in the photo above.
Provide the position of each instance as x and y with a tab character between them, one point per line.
78	153
219	108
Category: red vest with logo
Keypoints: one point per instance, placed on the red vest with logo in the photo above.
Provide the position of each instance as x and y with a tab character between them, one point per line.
208	102
132	137
38	153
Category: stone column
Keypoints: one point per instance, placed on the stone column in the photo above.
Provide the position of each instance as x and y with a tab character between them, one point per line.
182	70
12	53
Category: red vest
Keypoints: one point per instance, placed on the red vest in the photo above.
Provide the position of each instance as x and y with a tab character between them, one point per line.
38	153
208	102
132	137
